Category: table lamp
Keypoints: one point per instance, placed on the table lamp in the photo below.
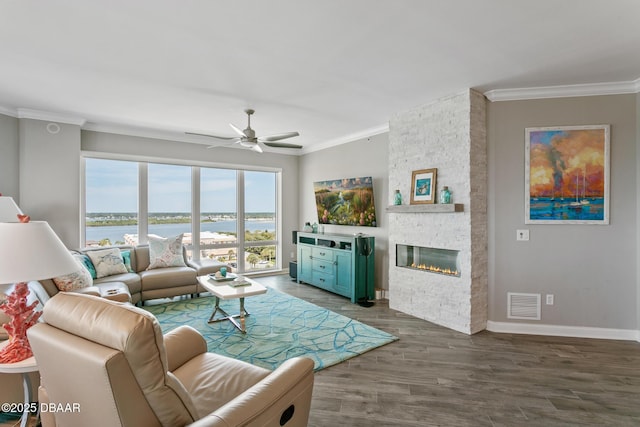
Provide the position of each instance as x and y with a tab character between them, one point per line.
9	211
29	250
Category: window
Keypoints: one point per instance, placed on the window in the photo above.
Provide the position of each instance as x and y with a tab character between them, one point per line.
169	200
111	202
259	220
235	210
218	215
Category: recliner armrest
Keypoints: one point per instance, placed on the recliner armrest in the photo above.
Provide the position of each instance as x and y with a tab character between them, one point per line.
281	398
206	266
183	344
89	290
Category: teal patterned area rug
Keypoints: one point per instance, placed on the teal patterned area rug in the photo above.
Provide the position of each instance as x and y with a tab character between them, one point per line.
279	327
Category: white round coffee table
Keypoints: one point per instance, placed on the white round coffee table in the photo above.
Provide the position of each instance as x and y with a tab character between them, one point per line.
23	367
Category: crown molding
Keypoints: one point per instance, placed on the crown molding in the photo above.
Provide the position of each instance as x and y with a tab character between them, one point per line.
11	112
25	113
142	132
348	138
591	89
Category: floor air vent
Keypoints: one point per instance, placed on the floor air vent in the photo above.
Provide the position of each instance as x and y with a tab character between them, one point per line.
523	306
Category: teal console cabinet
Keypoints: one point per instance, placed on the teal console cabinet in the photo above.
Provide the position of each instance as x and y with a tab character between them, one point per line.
339	263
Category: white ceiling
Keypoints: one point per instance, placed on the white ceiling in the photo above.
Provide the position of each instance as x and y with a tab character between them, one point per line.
334	70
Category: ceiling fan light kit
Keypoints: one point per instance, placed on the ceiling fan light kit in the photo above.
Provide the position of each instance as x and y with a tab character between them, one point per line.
247	137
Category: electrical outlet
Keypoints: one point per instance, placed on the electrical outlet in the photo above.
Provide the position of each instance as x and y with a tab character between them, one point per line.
293	255
549	299
522	235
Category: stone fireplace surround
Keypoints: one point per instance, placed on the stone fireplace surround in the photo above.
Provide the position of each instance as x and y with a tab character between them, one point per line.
450	135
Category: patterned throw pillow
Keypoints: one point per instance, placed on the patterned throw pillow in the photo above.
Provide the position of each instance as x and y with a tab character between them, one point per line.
165	252
107	262
76	280
86	261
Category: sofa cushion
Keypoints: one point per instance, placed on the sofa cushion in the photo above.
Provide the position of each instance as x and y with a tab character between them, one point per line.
165	252
169	277
202	378
107	262
78	279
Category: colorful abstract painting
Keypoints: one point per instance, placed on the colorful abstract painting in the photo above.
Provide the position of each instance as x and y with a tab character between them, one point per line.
346	201
567	175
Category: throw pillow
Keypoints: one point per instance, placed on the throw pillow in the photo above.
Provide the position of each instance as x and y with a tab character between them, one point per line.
107	262
126	258
76	280
86	262
165	252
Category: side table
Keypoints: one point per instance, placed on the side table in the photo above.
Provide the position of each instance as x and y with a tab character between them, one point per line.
23	367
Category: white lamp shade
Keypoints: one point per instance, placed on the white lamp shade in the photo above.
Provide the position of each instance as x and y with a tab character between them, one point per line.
32	251
8	210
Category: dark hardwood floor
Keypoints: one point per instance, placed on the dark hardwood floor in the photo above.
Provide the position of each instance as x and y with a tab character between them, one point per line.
434	376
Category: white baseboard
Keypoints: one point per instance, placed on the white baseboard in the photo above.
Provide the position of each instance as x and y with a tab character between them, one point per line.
564	331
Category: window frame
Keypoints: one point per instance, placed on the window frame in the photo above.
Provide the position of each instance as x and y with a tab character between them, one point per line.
196	168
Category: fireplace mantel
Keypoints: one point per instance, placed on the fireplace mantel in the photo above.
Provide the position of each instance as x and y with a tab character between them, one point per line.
426	208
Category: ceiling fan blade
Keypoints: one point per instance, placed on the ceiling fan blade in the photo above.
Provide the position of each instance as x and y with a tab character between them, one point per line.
281	145
257	148
278	137
227	144
237	129
224	138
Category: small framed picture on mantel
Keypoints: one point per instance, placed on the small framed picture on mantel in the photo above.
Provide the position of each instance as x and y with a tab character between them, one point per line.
423	186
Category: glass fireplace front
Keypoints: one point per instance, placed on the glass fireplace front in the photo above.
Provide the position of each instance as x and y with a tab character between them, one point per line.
432	260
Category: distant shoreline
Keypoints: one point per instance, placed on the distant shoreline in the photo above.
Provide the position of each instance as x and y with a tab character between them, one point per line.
127	219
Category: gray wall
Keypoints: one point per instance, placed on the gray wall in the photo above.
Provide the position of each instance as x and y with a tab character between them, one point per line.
9	158
591	269
365	157
149	148
50	176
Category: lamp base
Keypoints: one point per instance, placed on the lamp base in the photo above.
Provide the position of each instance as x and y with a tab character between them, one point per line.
23	316
15	351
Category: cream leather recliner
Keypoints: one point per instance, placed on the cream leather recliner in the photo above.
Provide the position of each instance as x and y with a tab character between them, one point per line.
105	363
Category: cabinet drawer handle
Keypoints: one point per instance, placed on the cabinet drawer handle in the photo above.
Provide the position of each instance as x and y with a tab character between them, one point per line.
322	280
323	267
322	253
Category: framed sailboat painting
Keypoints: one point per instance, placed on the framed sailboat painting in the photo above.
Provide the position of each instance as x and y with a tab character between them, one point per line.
567	175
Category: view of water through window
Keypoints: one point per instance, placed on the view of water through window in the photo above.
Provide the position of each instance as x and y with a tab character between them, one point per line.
112	214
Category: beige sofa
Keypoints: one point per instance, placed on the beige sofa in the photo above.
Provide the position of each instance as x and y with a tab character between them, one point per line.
112	362
142	284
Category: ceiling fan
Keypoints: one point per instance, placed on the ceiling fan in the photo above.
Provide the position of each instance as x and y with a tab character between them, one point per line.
247	137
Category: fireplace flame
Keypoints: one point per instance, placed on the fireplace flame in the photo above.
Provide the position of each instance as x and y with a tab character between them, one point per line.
436	269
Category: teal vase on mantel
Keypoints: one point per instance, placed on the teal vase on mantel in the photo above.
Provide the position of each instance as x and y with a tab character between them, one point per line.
445	195
397	200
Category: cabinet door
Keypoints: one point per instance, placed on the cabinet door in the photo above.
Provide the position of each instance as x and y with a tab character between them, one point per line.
305	264
343	284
